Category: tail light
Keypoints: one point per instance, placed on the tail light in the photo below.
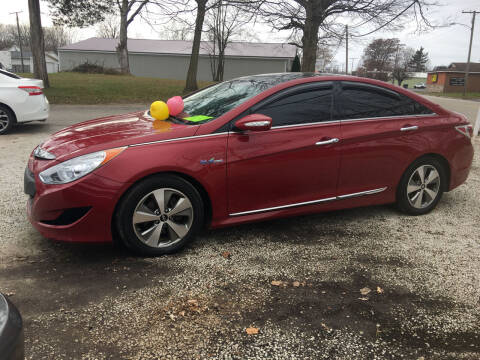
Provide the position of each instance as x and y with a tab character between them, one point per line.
466	130
32	90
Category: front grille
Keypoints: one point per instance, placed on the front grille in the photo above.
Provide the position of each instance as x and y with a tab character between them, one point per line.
68	216
29	183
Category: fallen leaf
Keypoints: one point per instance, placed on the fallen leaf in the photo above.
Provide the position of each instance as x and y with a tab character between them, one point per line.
379	290
172	317
296	283
365	291
226	254
252	331
192	302
276	283
181	313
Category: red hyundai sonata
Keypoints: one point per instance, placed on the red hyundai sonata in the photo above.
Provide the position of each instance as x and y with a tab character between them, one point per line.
269	146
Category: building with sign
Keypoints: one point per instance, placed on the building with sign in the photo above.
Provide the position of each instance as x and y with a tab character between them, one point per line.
448	79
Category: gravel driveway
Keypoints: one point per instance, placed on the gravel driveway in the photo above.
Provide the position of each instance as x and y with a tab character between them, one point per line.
368	283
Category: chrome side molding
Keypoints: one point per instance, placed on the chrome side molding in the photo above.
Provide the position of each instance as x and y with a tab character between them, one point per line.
340	197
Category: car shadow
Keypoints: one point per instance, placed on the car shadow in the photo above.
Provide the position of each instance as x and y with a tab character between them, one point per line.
30	128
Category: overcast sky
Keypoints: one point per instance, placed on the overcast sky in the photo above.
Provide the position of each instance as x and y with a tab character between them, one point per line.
444	45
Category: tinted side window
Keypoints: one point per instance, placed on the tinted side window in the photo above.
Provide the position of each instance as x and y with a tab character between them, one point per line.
368	101
303	107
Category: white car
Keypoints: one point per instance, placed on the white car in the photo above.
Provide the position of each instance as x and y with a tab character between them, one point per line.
419	86
21	100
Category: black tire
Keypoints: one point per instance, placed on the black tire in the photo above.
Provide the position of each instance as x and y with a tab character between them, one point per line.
7	119
176	189
406	201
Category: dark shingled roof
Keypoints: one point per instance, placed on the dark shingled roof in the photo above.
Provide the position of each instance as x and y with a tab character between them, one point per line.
461	66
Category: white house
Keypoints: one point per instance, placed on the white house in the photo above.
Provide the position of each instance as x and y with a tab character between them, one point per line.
12	60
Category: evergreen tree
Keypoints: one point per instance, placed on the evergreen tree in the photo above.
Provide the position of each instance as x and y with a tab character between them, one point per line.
419	60
296	64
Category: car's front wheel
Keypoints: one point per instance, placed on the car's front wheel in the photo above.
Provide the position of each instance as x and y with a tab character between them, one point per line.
421	186
7	119
159	215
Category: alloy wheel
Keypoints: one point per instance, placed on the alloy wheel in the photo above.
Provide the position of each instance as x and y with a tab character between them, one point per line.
4	120
423	186
163	217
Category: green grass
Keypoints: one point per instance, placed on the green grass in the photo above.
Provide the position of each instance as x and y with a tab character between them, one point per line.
78	88
469	96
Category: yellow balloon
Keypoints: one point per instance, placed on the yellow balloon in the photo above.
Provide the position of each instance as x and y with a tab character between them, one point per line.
159	110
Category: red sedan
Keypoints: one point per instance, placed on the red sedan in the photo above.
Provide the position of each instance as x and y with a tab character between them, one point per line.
269	146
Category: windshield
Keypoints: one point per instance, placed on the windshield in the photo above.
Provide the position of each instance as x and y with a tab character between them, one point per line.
216	100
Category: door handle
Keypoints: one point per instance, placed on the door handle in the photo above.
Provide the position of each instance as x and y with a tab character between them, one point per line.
326	142
409	128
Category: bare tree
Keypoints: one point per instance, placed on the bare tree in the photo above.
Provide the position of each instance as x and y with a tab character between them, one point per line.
176	31
109	28
325	55
37	42
9	36
380	54
6	40
56	37
314	19
401	67
191	82
223	22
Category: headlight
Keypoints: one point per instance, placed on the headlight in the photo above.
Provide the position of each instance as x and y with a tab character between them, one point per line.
43	154
78	167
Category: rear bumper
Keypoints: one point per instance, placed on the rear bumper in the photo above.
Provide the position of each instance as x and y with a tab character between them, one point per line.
35	108
77	212
460	166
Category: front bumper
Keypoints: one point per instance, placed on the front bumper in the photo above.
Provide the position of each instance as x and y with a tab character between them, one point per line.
80	211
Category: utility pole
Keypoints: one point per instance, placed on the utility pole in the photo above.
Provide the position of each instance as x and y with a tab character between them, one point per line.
346	52
19	38
467	70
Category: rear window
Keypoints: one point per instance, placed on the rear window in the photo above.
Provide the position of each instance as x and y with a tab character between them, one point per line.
365	101
9	74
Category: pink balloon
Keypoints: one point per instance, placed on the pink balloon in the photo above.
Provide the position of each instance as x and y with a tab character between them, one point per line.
175	105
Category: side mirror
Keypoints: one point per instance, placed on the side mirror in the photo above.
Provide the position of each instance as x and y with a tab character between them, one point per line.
254	122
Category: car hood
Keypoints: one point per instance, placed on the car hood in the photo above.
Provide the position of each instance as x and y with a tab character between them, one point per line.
113	131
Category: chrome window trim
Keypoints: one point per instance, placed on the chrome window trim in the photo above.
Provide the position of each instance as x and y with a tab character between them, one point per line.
306	124
340	197
177	139
350	120
391	117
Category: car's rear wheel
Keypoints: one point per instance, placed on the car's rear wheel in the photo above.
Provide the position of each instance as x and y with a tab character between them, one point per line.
160	215
7	119
421	186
